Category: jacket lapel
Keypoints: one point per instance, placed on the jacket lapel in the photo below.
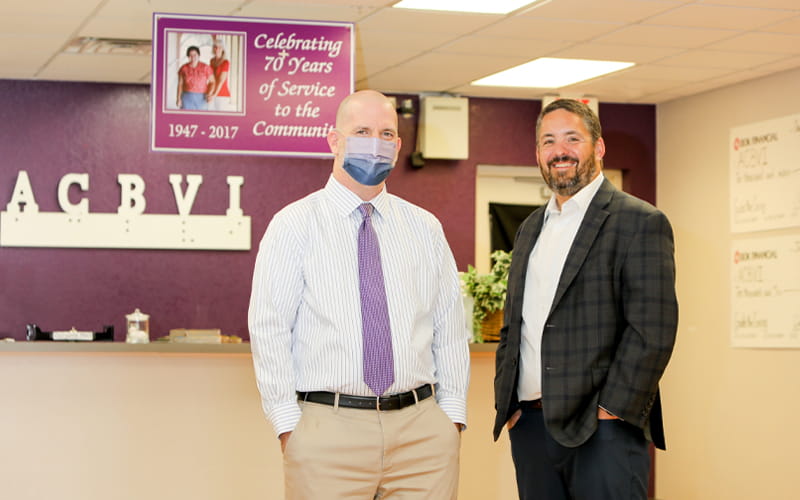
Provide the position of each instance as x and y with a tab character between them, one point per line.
596	215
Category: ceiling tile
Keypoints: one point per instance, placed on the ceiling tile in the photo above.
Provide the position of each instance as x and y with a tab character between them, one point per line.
665	36
414	21
613	11
548	29
675	73
715	83
387	40
203	7
402	76
626	79
762	4
777	66
121	19
369	63
120	27
660	97
316	11
640	88
717	16
460	66
761	42
615	93
789	27
484	45
73	8
126	8
37	52
398	81
37	48
96	68
610	52
720	59
61	26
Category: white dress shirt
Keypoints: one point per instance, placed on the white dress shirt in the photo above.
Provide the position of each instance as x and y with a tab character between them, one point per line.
545	264
305	309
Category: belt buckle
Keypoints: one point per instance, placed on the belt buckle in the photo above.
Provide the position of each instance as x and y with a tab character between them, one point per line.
378	403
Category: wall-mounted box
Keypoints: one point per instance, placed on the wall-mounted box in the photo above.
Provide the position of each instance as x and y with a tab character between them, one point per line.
444	127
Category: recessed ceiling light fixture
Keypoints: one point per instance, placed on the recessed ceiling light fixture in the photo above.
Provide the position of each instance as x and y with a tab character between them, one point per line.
551	73
477	6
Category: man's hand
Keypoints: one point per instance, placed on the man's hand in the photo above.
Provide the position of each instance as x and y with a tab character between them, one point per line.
604	415
513	420
284	439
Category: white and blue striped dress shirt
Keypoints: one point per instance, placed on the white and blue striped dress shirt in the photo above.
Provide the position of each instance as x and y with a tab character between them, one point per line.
305	310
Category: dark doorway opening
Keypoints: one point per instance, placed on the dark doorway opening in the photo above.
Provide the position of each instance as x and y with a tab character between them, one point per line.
504	220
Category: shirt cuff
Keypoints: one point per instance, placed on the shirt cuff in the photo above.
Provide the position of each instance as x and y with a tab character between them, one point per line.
284	417
456	409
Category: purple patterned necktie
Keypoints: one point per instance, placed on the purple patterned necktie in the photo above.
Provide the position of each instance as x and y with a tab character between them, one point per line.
376	331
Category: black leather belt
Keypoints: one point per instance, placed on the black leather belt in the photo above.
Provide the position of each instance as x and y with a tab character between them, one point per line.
382	403
530	405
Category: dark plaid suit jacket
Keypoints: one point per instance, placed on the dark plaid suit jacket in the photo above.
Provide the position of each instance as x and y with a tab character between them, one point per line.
612	325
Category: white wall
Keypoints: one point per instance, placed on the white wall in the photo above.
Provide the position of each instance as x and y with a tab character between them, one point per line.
731	415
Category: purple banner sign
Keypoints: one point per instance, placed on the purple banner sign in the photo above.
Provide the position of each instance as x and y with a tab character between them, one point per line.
247	85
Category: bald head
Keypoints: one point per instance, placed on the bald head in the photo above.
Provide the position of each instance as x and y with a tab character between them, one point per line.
356	103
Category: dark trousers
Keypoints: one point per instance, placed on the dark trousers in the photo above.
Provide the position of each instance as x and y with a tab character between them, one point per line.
612	465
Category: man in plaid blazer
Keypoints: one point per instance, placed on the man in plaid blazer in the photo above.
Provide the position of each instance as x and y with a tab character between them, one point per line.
590	323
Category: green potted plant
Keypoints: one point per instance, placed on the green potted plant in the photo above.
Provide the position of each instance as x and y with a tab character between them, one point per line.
488	292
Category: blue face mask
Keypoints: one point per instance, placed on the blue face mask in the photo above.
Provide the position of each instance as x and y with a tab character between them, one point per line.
369	160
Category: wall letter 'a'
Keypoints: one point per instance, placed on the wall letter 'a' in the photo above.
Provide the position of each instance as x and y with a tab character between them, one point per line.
22	199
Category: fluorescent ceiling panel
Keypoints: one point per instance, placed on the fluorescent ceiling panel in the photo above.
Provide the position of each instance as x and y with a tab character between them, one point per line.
551	73
478	6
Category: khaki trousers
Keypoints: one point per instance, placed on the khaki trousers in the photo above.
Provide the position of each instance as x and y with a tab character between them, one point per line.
346	453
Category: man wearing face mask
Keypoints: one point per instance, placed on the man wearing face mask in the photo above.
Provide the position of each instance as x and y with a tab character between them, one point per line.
357	328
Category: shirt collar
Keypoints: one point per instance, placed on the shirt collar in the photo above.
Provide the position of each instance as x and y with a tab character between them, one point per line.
345	202
579	202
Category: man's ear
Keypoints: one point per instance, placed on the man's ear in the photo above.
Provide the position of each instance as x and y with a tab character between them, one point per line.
397	149
334	141
599	148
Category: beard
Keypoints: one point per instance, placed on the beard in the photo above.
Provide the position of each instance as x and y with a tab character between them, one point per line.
569	182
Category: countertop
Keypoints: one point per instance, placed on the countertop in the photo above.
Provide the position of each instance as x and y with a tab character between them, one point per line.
24	346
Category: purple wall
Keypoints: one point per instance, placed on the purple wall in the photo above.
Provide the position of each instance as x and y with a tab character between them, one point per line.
53	128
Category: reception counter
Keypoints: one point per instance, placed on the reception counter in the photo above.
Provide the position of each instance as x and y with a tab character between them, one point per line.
153	347
109	420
